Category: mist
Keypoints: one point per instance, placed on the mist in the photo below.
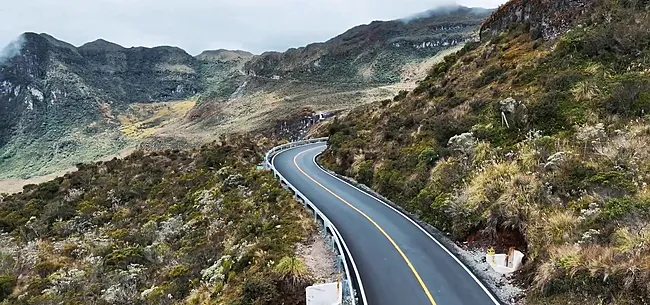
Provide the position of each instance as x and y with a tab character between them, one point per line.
443	9
12	49
198	25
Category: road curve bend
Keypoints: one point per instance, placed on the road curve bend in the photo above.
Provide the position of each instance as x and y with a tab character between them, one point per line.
398	262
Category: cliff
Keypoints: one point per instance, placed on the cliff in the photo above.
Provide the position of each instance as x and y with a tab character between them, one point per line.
544	18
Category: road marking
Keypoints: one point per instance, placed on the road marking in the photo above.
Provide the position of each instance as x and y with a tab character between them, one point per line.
361	291
399	250
471	274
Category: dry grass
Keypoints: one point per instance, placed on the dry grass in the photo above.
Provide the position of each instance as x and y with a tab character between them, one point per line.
560	227
586	91
293	270
259	110
632	241
144	120
490	183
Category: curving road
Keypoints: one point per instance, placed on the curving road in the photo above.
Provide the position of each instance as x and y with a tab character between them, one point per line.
398	262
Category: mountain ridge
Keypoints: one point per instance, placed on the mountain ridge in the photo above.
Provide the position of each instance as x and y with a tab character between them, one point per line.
368	35
79	98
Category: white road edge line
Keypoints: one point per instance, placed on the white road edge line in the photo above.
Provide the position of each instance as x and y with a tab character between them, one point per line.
471	274
362	291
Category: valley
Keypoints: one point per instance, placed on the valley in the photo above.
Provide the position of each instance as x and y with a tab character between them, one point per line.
65	104
136	175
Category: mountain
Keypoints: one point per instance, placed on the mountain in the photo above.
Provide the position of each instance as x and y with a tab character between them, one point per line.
365	63
372	53
61	104
534	138
223	71
59	101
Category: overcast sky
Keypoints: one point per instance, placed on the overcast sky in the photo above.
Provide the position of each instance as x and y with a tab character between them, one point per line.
196	25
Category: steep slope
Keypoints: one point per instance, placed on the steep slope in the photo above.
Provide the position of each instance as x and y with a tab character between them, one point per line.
533	138
176	227
543	18
222	71
366	63
60	104
374	53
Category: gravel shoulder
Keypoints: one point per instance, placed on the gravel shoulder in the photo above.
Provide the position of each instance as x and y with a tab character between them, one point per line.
319	258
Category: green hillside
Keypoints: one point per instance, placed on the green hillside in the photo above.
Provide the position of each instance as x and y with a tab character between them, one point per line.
536	137
174	227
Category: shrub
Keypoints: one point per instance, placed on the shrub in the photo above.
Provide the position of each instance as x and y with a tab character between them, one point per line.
47	267
547	115
433	208
259	291
292	270
629	97
389	182
618	182
562	81
7	284
365	172
428	157
179	271
121	258
489	75
179	278
616	208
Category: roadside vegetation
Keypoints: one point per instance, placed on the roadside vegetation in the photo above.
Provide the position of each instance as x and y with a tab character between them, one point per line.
526	142
170	227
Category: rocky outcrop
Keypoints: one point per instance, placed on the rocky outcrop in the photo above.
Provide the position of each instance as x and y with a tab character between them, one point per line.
224	55
297	125
51	81
372	53
54	96
545	18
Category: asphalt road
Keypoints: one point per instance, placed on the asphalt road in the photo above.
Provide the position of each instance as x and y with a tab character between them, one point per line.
399	264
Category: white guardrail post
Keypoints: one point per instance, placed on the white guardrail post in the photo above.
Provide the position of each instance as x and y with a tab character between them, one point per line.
347	293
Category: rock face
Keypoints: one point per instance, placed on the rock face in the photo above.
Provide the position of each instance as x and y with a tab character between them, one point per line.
372	53
222	72
547	18
51	81
58	101
140	74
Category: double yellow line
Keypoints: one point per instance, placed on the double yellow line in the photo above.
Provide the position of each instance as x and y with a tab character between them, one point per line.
390	239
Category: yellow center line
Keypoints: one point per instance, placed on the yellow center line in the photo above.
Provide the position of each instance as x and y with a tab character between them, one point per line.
408	262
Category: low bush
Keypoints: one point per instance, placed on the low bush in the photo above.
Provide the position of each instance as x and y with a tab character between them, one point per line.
149	226
7	284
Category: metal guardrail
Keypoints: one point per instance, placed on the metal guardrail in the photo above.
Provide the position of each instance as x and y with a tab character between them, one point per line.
347	295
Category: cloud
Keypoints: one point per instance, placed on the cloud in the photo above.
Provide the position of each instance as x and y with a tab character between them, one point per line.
12	49
196	25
